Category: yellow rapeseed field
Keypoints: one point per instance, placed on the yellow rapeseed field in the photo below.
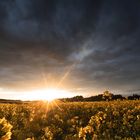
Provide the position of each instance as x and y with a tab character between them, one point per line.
113	120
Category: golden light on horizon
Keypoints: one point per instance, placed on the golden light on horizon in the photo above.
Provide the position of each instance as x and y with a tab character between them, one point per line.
46	94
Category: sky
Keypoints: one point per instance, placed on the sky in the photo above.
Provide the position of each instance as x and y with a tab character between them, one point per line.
85	46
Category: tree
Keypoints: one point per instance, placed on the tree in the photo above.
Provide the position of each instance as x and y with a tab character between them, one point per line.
107	95
77	98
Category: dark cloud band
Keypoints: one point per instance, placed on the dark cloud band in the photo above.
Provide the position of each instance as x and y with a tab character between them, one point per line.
100	37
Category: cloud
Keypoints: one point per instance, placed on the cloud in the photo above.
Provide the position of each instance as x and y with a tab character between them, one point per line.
100	37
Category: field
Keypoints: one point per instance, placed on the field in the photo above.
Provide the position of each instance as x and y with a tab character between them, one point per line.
70	121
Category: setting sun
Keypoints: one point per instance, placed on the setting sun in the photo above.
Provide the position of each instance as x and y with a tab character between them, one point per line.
46	94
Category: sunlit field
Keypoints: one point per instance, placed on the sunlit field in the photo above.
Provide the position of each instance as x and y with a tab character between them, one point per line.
70	120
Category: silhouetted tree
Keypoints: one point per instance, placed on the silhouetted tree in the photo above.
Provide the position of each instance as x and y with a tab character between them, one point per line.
78	98
134	97
94	98
116	97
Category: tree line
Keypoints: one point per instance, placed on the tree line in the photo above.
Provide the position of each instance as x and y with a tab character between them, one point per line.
106	96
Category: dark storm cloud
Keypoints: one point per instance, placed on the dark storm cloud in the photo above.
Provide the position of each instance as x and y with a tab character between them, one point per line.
100	37
44	20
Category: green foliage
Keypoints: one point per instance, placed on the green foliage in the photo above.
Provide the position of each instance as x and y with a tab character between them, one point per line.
114	120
